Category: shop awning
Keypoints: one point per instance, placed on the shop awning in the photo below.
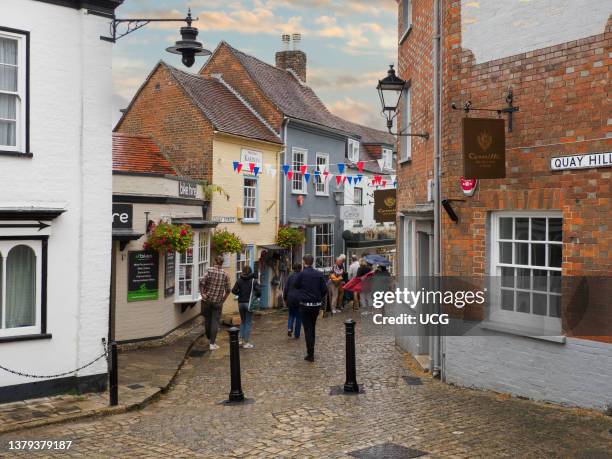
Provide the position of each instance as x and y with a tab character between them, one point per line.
30	213
272	247
195	222
126	235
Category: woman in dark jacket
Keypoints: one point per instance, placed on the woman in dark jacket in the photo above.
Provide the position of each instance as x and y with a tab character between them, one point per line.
289	295
246	283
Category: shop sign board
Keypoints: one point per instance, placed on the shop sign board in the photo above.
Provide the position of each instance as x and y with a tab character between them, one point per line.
586	161
170	271
385	205
143	276
122	216
351	212
188	189
484	148
251	156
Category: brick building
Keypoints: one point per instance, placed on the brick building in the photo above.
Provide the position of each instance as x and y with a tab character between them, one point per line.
537	223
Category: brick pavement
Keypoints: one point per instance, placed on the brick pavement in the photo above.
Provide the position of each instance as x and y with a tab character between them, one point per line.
293	414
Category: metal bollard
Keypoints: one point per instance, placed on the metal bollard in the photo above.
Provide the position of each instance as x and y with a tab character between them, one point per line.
236	394
351	371
114	376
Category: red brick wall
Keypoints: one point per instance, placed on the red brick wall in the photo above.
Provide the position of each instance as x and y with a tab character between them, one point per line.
225	63
162	111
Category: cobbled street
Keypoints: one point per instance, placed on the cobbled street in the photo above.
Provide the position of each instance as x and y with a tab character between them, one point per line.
293	414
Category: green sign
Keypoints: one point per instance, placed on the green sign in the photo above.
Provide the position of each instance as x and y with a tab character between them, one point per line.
143	276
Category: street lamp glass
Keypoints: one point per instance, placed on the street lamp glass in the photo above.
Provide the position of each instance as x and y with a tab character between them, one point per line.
390	90
188	46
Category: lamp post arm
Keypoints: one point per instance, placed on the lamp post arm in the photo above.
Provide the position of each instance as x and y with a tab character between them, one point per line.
424	135
134	24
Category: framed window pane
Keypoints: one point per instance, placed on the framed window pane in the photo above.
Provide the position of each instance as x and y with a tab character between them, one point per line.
555	306
539	304
299	158
505	228
555	232
538	229
554	256
21	287
522	253
523	278
507	300
507	279
523	301
324	245
505	252
555	281
538	254
540	280
250	199
8	64
521	227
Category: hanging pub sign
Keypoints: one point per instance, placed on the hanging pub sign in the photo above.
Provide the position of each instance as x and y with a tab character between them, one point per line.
484	148
143	276
351	212
385	205
187	189
169	281
122	216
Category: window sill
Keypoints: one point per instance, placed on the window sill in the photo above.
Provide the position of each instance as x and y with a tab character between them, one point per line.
405	35
322	195
10	339
18	154
188	301
297	193
522	331
249	222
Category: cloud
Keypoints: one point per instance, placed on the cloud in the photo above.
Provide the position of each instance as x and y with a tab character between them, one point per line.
324	79
357	112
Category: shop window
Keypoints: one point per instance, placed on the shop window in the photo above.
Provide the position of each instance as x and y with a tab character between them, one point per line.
13	93
299	158
324	245
20	287
249	205
322	185
191	267
526	262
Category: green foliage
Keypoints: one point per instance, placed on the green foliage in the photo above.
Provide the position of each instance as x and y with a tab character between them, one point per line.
166	237
289	237
224	241
208	189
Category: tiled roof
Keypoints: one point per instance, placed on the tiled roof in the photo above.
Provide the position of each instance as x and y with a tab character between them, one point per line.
223	108
293	97
139	154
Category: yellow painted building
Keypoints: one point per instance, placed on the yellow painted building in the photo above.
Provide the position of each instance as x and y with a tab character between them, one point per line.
250	208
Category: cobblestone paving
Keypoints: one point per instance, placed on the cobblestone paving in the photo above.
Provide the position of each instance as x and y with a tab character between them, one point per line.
293	414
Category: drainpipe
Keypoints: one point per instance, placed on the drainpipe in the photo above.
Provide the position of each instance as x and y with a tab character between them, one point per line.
435	363
280	172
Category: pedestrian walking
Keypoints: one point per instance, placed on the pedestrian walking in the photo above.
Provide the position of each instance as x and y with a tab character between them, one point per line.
245	288
336	278
214	288
352	273
364	271
290	295
310	286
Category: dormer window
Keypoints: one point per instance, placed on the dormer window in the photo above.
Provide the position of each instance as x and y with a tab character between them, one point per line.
353	150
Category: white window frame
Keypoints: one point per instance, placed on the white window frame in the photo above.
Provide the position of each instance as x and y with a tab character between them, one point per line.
387	155
319	179
355	203
330	254
406	120
244	258
353	150
527	320
255	208
406	18
297	174
5	247
198	267
21	93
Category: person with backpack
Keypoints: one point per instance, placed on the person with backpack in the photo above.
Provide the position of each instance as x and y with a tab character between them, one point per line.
290	296
246	287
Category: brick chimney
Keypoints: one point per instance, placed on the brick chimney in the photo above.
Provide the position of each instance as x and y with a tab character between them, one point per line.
293	59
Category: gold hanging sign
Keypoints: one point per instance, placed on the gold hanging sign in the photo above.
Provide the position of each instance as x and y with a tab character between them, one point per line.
484	148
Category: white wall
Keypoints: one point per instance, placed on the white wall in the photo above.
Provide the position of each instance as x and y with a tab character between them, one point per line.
493	29
70	136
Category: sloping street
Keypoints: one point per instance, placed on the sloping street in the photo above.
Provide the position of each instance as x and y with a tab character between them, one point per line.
292	414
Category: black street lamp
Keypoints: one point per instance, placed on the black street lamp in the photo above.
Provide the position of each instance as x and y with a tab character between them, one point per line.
188	46
390	90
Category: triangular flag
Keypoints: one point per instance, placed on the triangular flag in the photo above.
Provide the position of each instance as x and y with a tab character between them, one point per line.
251	166
360	166
239	168
321	168
256	170
384	183
377	179
316	172
307	176
359	178
290	175
341	168
328	176
236	165
350	179
303	169
393	178
338	179
285	168
381	163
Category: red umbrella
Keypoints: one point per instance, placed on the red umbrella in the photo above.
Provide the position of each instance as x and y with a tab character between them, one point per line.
356	283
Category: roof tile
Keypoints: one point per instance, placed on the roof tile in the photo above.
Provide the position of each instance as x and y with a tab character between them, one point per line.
139	154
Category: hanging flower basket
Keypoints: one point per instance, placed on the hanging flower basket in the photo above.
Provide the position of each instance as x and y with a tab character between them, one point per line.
167	238
224	241
289	237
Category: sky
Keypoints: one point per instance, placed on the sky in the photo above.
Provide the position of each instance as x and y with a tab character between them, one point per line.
349	44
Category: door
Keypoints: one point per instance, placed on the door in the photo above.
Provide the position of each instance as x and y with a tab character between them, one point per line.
424	267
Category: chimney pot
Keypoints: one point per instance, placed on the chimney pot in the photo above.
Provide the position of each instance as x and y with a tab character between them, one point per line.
293	59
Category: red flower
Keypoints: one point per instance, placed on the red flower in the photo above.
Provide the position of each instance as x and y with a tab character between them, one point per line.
183	232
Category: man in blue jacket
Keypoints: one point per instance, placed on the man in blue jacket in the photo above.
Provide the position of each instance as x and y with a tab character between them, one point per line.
311	288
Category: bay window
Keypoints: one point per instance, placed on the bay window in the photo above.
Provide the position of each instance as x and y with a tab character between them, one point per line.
21	284
526	260
13	96
191	267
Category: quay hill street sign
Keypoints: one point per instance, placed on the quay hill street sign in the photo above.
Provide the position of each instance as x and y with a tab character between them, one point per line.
586	161
484	148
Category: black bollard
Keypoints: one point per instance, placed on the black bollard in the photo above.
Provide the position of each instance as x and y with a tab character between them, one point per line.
236	394
351	371
114	376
